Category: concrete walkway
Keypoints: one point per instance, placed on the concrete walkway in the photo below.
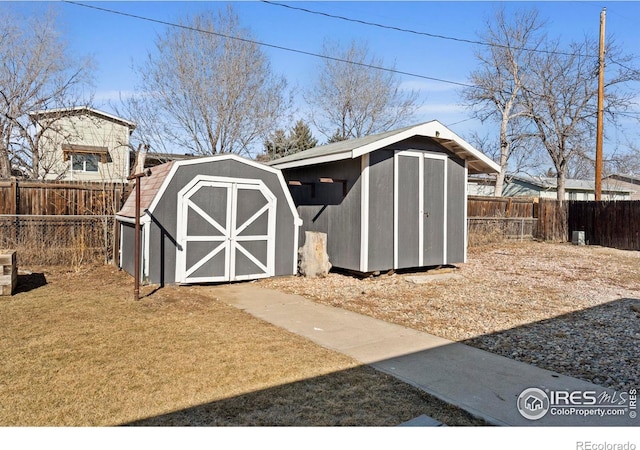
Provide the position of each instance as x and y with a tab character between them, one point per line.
482	383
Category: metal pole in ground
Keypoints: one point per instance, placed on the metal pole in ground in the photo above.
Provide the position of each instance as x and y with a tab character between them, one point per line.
136	251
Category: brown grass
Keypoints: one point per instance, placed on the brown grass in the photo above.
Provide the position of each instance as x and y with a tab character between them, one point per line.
503	286
78	351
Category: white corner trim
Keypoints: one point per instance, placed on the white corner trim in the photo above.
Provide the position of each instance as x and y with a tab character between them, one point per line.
395	209
421	211
445	213
120	249
466	223
146	231
364	214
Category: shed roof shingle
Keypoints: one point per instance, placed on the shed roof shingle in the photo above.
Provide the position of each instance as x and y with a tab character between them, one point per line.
149	188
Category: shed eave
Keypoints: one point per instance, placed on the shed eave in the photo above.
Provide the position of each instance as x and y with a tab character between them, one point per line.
315	160
478	162
144	218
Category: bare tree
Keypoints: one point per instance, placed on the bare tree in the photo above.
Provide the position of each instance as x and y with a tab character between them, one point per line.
499	80
36	72
354	99
561	95
205	93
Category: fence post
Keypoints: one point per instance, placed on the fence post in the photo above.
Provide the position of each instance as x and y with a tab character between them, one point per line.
15	198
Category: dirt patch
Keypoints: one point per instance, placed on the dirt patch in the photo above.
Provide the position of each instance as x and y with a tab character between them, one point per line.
77	351
562	307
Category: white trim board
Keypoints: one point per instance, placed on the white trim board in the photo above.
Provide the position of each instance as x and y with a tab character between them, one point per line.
364	214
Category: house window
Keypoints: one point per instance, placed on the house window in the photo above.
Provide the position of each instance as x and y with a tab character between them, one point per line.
573	196
85	158
84	162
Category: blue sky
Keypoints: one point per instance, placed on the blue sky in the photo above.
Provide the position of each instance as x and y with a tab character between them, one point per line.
117	42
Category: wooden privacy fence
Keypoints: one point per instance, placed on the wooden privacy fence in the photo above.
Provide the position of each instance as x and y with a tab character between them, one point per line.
493	219
609	224
61	197
552	221
60	222
501	207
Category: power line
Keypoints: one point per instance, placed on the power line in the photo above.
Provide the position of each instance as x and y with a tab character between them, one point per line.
265	44
422	33
437	36
278	47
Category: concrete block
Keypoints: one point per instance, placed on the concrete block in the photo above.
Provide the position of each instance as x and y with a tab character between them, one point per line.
422	421
8	273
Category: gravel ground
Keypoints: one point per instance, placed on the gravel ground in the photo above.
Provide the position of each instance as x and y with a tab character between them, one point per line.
574	310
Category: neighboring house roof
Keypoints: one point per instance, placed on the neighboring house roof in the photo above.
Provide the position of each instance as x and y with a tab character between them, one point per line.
155	159
571	184
633	179
79	110
353	148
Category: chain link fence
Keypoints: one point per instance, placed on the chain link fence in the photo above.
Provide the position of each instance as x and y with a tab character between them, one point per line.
58	240
488	230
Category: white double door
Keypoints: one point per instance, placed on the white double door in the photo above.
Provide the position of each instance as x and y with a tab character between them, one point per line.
226	230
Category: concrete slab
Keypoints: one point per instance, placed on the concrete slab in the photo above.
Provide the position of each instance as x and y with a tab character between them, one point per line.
432	278
484	384
422	421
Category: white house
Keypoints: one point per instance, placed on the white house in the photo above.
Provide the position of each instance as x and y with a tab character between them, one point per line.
83	143
545	187
623	181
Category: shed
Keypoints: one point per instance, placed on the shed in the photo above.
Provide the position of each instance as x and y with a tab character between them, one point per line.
394	200
214	219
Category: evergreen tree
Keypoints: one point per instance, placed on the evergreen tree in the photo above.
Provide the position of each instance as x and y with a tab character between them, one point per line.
280	144
301	137
337	137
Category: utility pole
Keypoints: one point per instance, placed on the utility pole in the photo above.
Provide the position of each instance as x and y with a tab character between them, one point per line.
599	127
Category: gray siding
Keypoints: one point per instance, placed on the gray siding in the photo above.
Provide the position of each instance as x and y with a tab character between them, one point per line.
433	216
328	211
408	212
128	244
162	251
456	205
420	144
380	210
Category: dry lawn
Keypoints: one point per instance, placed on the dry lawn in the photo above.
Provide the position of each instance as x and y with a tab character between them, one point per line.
502	286
570	309
78	351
